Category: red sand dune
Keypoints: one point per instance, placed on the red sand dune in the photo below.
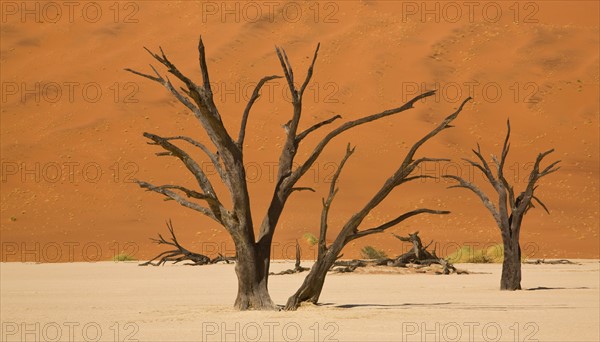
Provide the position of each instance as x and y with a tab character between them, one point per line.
57	132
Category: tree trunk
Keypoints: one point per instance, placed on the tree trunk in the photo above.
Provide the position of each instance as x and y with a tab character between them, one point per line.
511	266
311	288
252	272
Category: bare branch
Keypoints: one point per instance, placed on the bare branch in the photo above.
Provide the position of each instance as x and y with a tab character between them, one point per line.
253	98
484	167
327	202
188	192
408	179
486	201
155	79
407	169
214	158
550	169
505	147
203	66
300	171
178	199
394	222
193	167
500	168
287	70
195	92
204	108
541	203
534	176
310	72
303	188
444	125
316	126
402	173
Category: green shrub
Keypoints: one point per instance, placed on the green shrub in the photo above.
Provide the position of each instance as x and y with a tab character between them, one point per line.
123	257
467	254
311	239
369	252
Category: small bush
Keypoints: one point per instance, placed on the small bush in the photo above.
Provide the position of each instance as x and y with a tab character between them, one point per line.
369	252
311	239
123	257
467	254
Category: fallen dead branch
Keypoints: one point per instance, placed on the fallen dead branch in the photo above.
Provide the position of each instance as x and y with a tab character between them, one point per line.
180	253
550	262
418	257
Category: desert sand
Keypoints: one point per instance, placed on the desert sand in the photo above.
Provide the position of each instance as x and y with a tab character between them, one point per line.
181	303
72	119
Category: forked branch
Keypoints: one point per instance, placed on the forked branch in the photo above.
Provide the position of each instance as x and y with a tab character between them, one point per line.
253	98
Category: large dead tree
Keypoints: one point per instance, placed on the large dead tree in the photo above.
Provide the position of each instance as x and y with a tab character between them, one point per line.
311	288
509	210
253	252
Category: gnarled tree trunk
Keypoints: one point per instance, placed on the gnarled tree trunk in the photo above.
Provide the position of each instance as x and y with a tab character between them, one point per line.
252	274
311	288
511	266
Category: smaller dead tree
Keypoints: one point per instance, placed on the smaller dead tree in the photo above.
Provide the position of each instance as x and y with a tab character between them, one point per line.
510	210
297	267
420	255
311	288
180	253
417	252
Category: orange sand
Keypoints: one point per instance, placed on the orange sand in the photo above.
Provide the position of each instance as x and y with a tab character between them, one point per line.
374	55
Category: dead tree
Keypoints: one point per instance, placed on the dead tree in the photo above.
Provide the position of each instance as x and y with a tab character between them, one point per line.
417	252
509	210
176	255
253	252
297	267
420	255
310	290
